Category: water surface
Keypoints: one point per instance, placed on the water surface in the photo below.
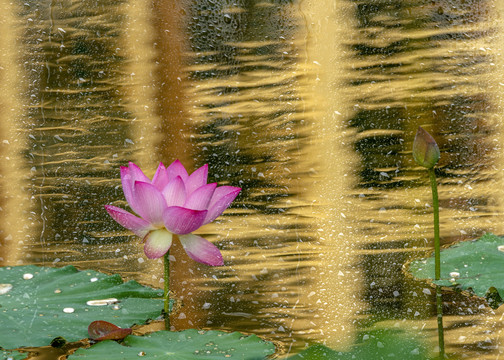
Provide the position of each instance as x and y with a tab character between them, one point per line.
310	106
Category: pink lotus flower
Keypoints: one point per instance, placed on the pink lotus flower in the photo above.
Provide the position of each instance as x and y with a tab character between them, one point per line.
172	203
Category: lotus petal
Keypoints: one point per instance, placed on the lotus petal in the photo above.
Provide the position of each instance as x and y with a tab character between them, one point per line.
127	185
175	192
221	199
160	179
200	198
201	250
137	173
131	222
177	169
157	243
197	179
180	220
151	203
128	177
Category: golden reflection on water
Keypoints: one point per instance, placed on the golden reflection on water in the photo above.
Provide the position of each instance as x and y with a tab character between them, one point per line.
309	106
13	203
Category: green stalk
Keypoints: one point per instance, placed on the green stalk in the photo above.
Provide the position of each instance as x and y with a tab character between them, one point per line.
437	246
437	262
166	263
439	311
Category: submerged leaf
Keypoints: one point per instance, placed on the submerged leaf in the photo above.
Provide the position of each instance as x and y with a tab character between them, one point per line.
103	330
476	266
45	303
183	345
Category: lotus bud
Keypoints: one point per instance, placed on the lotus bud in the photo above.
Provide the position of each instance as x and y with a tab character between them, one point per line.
425	149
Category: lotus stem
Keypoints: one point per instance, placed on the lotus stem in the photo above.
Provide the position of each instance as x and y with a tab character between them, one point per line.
166	263
437	262
439	311
435	205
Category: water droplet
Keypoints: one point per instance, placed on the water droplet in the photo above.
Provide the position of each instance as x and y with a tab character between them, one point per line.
5	288
500	248
68	310
415	351
116	307
102	302
57	291
93	279
454	274
27	276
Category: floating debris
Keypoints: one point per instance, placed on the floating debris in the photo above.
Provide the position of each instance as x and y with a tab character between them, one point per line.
103	330
5	288
102	302
27	276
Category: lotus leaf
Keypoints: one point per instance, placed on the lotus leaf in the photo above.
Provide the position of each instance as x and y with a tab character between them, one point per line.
373	345
182	345
12	355
476	266
38	304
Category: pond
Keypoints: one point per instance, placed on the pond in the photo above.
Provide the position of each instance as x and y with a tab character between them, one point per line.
310	106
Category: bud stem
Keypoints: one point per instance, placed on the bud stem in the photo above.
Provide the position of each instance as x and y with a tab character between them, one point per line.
437	262
435	205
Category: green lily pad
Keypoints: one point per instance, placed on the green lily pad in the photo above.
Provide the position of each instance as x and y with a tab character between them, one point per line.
12	355
183	345
38	304
373	345
476	266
